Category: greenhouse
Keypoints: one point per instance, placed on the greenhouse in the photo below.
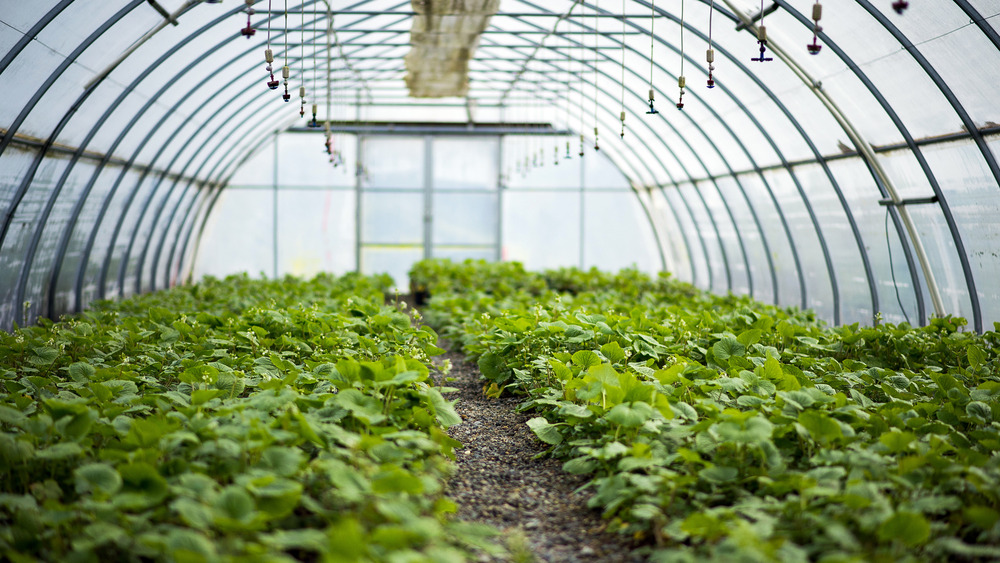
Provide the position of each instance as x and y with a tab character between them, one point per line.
446	280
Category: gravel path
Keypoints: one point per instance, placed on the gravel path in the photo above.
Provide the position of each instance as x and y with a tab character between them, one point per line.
531	501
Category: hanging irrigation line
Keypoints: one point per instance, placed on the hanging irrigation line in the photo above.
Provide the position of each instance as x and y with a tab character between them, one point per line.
652	34
268	54
580	76
623	71
597	7
710	54
315	78
681	81
285	70
302	65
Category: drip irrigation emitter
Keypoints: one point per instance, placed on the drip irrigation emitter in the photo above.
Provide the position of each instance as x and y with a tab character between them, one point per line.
762	38
268	54
652	23
681	81
249	31
710	53
285	71
623	71
815	47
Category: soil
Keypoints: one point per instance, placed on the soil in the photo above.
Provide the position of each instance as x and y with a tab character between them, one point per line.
532	501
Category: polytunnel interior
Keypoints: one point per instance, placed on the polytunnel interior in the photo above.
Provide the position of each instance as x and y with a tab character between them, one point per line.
142	146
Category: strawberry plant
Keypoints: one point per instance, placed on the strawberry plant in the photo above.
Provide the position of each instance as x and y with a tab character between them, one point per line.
726	429
231	420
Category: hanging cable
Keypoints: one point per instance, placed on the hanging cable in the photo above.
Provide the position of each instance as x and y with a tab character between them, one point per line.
710	54
652	26
285	71
623	71
268	54
681	81
302	62
248	31
597	6
892	268
580	76
313	124
814	47
762	37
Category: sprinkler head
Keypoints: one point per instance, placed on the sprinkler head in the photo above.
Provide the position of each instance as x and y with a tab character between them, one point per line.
814	48
273	84
900	6
248	31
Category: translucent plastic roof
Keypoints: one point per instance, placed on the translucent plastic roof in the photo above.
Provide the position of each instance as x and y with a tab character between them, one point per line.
860	181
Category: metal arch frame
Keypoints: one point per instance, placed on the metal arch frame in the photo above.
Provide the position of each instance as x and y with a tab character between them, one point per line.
914	148
143	254
208	204
680	163
977	137
165	231
580	21
28	37
791	172
30	106
238	161
110	251
53	278
980	22
78	207
818	157
645	164
766	136
29	177
973	294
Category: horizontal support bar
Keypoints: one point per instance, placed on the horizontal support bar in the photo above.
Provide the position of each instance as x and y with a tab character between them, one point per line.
909	201
29	142
387	128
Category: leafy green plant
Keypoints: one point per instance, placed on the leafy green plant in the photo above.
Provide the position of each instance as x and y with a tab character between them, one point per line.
230	420
727	429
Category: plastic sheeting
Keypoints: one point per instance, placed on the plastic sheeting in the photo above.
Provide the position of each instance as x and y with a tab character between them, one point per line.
116	175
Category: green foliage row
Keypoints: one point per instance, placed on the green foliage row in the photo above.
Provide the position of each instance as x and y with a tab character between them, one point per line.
727	430
231	420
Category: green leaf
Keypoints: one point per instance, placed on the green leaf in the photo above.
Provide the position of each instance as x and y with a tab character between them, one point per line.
719	474
612	351
727	348
444	410
363	407
493	368
62	450
81	372
202	396
235	503
976	356
43	355
588	358
548	433
630	414
97	478
979	411
820	426
282	460
397	480
750	337
910	528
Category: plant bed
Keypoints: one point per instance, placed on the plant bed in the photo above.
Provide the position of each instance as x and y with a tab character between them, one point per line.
233	420
725	429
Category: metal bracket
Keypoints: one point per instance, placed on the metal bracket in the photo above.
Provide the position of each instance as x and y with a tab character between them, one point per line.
757	17
163	12
910	201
